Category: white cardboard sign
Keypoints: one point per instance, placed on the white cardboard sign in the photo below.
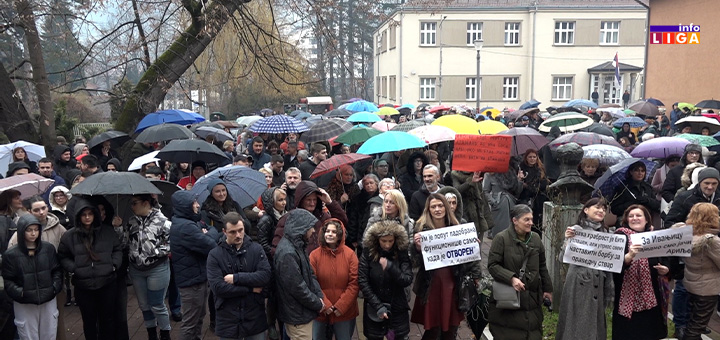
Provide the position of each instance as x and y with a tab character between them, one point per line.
667	242
449	246
596	250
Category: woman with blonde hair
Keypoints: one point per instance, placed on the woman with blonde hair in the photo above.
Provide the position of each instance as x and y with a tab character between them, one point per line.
395	208
702	268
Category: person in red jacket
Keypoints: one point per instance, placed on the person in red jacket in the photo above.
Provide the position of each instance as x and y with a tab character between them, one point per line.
336	268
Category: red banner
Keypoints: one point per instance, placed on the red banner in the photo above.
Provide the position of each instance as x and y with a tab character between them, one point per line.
482	153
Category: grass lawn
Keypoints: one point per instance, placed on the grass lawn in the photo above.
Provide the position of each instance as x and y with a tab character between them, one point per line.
551	320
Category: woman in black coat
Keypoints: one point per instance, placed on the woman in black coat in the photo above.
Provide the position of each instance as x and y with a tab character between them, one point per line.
384	272
535	184
634	190
625	132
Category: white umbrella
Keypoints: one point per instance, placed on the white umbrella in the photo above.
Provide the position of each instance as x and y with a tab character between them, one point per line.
608	155
34	152
567	122
248	120
615	112
28	184
699	122
433	133
144	159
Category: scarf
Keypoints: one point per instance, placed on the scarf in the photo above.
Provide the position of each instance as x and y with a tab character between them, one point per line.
636	294
278	214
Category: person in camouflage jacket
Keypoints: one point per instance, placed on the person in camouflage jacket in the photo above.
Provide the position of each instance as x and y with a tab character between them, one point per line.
149	233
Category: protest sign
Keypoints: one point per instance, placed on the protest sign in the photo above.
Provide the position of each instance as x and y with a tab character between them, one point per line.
668	242
482	153
449	246
596	250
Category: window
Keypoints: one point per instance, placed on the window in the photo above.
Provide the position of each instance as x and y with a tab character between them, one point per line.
562	88
471	89
474	32
512	33
564	32
427	33
510	88
609	32
392	87
427	88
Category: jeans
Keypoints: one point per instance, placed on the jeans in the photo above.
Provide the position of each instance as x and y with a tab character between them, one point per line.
97	308
680	311
36	321
150	288
194	303
173	294
343	330
259	336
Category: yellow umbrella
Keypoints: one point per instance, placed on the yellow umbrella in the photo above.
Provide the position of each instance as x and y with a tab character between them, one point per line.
492	112
490	127
387	111
458	123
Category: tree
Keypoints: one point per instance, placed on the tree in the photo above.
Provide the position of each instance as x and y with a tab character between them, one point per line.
61	49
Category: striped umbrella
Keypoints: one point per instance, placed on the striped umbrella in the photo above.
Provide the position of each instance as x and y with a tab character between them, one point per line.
407	126
568	121
278	124
325	130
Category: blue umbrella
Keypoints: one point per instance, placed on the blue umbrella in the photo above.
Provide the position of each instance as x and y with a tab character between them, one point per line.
278	124
635	122
181	117
361	105
407	106
303	115
615	177
657	102
295	113
363	117
243	184
581	102
391	141
529	104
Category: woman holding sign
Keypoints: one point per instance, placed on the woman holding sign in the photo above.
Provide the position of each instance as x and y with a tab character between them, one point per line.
436	302
637	311
509	250
587	291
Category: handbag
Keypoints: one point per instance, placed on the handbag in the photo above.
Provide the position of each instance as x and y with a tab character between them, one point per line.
505	296
467	294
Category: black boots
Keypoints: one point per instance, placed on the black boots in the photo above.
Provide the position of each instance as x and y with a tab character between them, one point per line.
152	333
164	335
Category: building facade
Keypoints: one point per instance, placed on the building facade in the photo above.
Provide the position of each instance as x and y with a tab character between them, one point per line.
549	50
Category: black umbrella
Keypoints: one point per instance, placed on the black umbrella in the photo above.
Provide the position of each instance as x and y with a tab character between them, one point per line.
158	133
599	129
325	130
168	188
338	113
568	109
115	183
190	150
216	125
709	104
295	113
116	139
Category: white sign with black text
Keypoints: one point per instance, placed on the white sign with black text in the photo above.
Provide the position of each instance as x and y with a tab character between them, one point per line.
596	250
449	246
668	242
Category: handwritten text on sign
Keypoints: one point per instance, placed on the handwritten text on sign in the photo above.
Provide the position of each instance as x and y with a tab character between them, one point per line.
668	242
482	153
596	250
449	246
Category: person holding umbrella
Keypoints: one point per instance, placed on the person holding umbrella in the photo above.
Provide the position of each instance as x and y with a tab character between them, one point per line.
634	190
197	170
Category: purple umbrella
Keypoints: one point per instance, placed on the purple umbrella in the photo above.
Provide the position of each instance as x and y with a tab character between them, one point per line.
525	139
661	147
584	139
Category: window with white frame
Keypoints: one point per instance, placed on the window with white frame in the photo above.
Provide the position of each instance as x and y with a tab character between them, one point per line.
427	88
471	88
562	88
474	32
510	88
564	32
512	33
428	32
609	32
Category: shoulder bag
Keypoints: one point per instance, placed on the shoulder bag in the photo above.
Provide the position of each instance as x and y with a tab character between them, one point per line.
505	296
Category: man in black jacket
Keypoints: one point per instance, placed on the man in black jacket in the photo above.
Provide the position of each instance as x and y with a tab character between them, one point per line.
693	153
238	271
300	298
431	176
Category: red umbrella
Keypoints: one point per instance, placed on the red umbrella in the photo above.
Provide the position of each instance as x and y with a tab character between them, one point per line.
439	108
335	162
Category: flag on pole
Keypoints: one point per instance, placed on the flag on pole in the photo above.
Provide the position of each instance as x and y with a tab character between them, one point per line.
616	63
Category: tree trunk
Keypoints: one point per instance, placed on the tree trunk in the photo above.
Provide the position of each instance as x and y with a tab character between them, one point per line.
14	118
170	66
42	86
351	48
342	52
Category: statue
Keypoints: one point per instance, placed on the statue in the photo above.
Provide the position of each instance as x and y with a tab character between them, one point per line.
569	187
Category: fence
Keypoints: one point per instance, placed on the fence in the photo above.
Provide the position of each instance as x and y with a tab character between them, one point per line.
79	128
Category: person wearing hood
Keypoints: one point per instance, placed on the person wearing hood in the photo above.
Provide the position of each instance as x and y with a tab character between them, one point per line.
104	154
148	232
178	171
191	242
197	170
693	153
336	268
702	269
412	179
92	253
238	273
384	273
63	160
634	190
313	199
59	198
300	298
17	168
33	277
455	202
274	202
431	178
257	151
627	133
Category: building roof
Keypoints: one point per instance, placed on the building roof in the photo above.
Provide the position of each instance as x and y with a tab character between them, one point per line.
609	67
434	5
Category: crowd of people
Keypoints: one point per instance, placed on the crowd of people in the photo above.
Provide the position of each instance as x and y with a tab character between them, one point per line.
302	260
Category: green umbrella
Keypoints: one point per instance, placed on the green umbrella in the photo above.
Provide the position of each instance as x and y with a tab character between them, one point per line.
356	135
689	106
706	141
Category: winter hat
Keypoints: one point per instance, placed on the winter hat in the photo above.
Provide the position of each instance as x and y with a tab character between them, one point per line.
708	172
15	166
213	182
200	164
693	147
